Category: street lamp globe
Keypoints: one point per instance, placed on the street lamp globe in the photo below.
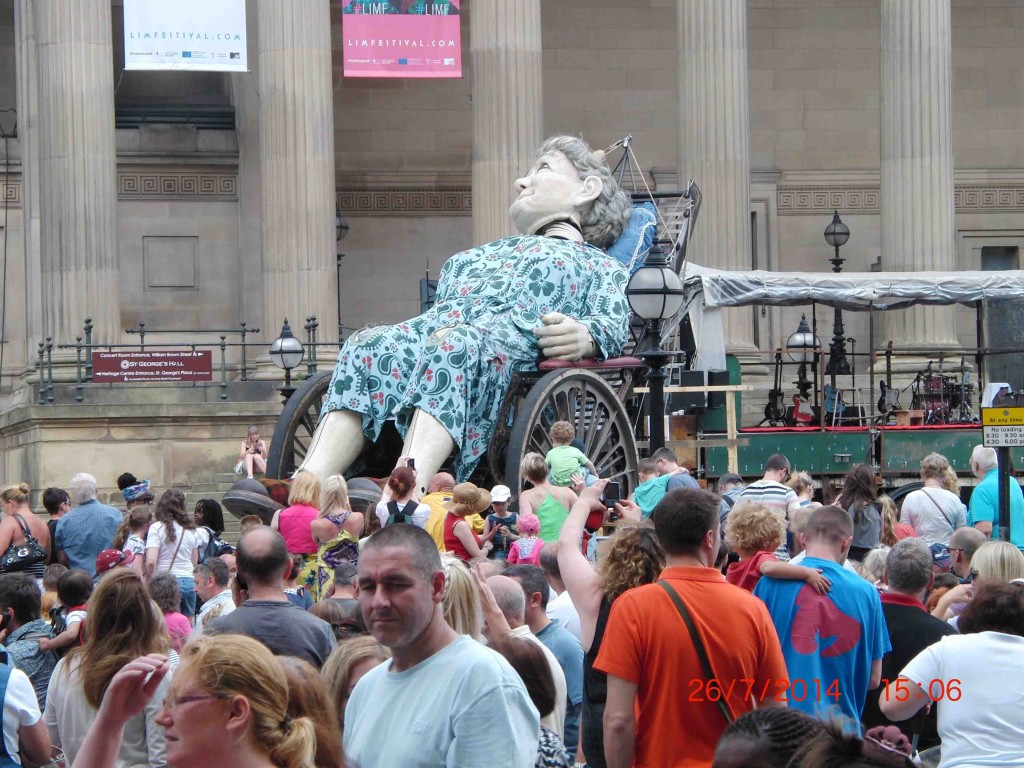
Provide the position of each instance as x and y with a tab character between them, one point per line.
837	233
655	291
802	344
286	351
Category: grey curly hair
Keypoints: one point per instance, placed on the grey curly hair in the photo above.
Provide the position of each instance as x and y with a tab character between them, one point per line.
606	219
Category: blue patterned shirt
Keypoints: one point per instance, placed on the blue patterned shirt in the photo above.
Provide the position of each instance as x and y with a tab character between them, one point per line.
23	652
86	531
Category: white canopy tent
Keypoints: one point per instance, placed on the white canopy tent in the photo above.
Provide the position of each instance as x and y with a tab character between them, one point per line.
710	290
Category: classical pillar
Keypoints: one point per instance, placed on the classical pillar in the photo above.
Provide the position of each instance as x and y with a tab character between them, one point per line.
917	161
505	55
27	66
714	141
77	166
297	165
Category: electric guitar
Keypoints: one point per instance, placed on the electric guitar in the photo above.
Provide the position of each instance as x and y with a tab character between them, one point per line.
775	410
890	396
831	396
801	416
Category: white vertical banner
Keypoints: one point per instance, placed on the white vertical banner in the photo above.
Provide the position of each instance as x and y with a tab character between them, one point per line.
198	35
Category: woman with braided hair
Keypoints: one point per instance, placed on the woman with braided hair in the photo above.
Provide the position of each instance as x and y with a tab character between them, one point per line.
766	737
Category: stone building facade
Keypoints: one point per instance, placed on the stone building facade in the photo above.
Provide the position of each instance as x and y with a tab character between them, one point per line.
197	201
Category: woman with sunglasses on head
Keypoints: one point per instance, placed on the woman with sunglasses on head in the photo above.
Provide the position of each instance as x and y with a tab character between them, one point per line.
123	624
227	708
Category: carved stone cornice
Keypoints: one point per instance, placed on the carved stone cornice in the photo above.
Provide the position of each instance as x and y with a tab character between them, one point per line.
163	183
10	190
405	202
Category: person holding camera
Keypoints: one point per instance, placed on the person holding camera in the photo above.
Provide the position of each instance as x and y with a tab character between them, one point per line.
252	456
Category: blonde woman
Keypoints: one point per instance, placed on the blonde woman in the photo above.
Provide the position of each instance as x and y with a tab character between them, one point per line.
460	601
803	486
227	708
336	530
346	666
550	503
294	524
995	562
935	511
20	523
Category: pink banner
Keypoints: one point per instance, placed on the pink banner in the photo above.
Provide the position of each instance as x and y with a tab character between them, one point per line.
402	38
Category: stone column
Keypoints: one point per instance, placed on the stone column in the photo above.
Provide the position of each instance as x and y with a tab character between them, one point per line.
77	166
297	165
505	55
714	141
917	161
27	65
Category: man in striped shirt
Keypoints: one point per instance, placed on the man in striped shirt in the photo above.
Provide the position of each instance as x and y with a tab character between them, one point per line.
771	491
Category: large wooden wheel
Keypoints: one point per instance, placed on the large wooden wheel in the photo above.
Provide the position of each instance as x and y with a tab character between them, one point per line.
295	426
590	404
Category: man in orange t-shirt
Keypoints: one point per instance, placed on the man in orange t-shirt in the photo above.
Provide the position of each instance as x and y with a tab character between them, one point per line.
651	661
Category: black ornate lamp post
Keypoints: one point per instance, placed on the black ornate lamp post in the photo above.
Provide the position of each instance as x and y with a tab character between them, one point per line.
287	353
836	235
340	231
802	346
655	294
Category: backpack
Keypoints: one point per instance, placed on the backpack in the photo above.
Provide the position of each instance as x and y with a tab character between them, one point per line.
401	516
214	547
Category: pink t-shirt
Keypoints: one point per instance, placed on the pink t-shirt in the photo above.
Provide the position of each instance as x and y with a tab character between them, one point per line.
293	522
526	551
178	627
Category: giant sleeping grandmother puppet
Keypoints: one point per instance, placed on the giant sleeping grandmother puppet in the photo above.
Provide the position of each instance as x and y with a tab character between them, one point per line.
549	291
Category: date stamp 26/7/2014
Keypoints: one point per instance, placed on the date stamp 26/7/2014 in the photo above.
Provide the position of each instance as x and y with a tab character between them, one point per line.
779	689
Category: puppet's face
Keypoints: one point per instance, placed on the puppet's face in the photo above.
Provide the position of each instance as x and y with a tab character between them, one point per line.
551	191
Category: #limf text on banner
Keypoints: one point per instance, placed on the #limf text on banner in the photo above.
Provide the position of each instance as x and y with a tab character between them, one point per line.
401	38
196	35
128	367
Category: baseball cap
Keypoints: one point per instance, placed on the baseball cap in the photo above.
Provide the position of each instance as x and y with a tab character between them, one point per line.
501	493
109	559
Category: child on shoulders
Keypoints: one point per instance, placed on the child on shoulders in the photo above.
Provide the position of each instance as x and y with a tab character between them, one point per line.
565	460
74	589
653	486
754	532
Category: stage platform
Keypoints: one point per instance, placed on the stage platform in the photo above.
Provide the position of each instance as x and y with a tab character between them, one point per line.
833	450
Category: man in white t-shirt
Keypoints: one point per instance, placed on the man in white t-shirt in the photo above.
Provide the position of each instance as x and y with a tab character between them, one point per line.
443	699
24	729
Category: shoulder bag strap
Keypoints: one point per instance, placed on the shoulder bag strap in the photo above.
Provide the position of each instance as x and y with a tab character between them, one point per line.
698	644
952	523
177	549
24	528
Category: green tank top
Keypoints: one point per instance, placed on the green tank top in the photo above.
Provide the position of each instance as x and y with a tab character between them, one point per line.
551	514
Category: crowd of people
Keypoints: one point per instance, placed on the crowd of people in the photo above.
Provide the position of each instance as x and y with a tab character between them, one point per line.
753	627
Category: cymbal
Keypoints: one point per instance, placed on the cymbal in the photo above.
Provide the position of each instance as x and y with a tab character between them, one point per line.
958	369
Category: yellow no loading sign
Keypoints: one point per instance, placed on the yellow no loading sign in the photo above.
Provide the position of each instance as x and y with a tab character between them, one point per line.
1002	427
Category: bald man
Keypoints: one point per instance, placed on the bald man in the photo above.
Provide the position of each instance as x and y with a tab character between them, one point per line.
439	493
962	545
511	599
265	613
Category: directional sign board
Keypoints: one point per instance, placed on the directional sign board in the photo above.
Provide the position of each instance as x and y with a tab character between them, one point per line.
1002	427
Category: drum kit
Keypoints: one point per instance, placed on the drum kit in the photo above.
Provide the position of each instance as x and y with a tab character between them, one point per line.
945	396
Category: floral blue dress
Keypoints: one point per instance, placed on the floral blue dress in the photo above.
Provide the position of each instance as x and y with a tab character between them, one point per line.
455	361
